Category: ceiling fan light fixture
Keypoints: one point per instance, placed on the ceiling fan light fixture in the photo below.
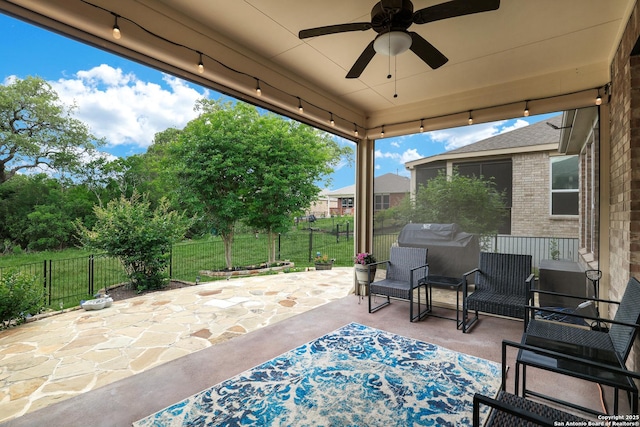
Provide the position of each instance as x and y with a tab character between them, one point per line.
392	43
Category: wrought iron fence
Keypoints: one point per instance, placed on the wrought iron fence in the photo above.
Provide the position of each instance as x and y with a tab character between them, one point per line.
67	281
538	247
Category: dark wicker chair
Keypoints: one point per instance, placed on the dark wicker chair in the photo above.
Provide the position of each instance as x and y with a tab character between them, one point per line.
406	270
607	341
510	410
513	410
502	283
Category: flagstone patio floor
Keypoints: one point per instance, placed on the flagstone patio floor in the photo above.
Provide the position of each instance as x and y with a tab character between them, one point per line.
114	366
76	351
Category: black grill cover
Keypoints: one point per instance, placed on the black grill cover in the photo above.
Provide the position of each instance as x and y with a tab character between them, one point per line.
451	252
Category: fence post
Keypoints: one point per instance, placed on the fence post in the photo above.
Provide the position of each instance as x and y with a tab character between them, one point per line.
337	233
310	243
171	262
90	289
347	231
279	248
44	280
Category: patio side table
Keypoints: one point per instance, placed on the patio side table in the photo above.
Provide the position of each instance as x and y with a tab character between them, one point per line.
445	282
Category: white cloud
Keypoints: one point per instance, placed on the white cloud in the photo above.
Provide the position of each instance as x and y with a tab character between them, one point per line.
409	155
401	158
459	137
125	110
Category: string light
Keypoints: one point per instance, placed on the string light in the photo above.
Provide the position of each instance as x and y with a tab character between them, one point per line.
116	30
200	64
526	109
258	90
117	35
331	121
382	132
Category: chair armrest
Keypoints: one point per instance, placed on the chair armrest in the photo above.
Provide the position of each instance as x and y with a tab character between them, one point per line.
531	307
522	414
530	280
426	273
576	297
584	316
562	356
468	273
379	262
465	285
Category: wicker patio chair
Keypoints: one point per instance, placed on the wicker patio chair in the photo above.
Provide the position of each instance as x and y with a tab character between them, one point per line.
406	270
609	345
512	410
502	283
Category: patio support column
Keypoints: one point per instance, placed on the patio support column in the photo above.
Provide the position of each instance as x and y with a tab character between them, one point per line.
364	199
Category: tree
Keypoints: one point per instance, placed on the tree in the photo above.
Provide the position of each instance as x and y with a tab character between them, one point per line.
37	130
140	237
287	159
37	211
242	165
471	202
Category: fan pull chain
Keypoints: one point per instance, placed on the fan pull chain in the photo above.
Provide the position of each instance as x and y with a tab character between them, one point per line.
389	61
395	77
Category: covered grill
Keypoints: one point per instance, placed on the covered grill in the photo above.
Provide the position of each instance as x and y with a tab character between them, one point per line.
451	251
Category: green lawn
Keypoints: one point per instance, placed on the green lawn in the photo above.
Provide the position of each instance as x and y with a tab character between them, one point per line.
74	274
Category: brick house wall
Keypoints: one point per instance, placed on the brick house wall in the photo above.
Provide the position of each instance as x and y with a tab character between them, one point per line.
531	199
396	198
624	158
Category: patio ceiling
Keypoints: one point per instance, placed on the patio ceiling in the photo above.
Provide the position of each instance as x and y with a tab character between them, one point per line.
532	51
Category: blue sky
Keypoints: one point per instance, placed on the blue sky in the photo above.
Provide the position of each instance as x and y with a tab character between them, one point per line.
127	103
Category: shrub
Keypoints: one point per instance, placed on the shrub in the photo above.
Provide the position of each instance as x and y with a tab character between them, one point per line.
139	236
20	296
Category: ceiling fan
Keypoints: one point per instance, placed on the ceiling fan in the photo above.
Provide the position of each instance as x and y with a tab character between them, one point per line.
391	19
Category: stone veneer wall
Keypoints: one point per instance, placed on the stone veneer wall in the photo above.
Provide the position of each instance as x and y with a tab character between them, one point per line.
624	157
531	197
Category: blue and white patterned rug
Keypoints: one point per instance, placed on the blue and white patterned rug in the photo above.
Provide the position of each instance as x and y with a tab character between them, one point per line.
353	376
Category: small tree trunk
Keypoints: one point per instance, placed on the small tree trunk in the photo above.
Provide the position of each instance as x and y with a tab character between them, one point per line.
227	240
272	247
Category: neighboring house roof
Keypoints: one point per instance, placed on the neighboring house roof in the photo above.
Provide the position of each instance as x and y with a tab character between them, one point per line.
387	183
536	137
325	194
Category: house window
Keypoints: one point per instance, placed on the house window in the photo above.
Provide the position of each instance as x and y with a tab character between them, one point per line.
347	203
564	185
382	202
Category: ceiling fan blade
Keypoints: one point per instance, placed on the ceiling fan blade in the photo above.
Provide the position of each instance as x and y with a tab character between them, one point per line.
453	8
426	51
361	63
333	29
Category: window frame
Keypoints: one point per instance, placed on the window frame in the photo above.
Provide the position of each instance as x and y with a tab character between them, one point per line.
572	191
